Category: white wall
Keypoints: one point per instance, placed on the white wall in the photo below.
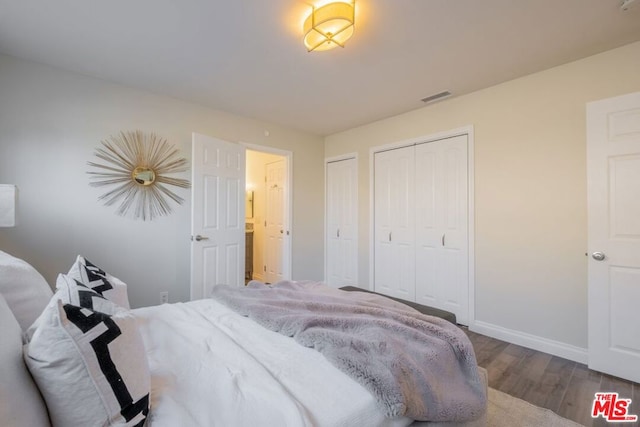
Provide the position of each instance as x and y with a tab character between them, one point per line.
50	123
530	191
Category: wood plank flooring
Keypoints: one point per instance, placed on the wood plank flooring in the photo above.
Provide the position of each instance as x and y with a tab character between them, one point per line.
564	386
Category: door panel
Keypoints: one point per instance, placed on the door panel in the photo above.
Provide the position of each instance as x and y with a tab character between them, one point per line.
613	182
383	203
342	233
427	228
394	217
233	251
275	221
624	186
404	271
442	265
334	198
234	194
218	176
209	204
210	265
403	222
456	227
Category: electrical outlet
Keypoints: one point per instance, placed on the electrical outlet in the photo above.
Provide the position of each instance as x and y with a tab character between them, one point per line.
164	297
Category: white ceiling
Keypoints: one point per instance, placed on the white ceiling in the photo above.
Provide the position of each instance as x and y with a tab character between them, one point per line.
246	56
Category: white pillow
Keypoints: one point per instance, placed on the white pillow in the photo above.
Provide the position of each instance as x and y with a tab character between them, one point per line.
20	401
90	367
100	281
24	289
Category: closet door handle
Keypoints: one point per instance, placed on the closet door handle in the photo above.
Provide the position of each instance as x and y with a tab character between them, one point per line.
338	233
389	236
443	240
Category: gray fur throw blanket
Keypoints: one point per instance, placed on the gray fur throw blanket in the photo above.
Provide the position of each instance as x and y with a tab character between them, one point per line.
415	365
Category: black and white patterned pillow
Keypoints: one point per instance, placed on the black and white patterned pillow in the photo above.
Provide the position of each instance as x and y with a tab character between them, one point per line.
90	367
70	291
100	281
73	292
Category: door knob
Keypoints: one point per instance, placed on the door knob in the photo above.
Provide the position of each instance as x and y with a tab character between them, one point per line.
199	237
598	256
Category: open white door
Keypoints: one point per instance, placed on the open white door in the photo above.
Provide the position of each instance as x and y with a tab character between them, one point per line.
613	182
276	230
217	214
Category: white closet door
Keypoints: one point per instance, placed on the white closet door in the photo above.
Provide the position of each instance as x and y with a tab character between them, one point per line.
342	226
442	253
394	217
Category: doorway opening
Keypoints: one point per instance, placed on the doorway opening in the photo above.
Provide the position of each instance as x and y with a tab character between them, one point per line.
267	215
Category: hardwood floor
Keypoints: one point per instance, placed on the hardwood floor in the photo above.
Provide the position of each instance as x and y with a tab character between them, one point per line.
565	387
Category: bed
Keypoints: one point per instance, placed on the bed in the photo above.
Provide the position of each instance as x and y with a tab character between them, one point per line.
201	363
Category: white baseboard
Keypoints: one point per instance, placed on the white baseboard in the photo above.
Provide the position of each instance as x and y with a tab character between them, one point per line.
556	348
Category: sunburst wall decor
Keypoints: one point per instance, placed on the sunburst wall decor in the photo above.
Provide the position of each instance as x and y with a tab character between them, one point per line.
136	163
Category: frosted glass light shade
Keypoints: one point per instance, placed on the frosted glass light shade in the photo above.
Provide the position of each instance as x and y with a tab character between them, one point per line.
329	26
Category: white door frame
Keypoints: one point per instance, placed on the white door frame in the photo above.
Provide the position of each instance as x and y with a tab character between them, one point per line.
466	130
288	209
327	160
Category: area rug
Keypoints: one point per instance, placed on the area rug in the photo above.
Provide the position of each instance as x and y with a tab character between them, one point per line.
508	411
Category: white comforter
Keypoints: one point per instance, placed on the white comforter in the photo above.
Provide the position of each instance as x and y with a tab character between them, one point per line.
213	367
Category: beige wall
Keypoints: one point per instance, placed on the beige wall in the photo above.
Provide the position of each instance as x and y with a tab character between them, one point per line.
50	123
530	189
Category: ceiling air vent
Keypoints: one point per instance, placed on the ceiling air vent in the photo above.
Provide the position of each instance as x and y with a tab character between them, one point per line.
436	97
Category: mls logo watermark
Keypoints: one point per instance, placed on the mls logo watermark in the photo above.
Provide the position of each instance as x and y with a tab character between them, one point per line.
612	408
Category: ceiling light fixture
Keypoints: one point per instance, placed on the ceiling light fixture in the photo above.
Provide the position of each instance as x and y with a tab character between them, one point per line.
329	26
